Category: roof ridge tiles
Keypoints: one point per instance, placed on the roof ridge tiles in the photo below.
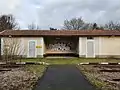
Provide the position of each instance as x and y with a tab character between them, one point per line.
59	32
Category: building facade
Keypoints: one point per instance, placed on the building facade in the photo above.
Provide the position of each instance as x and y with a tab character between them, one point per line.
80	43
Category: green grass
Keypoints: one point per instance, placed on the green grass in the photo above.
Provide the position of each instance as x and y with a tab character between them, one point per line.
36	69
68	60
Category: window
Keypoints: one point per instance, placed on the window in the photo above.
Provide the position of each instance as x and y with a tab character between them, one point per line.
90	38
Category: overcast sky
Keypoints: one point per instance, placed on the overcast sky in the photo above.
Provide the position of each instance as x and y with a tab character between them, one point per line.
52	13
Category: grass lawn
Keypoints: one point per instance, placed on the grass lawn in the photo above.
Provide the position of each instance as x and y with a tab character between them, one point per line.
39	69
36	69
68	60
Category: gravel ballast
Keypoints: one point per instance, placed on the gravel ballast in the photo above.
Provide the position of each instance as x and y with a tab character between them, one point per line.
107	80
17	79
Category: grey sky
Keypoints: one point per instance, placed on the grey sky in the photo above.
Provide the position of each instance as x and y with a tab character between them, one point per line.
52	13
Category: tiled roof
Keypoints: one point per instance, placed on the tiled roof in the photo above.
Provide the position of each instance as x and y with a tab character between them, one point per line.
35	33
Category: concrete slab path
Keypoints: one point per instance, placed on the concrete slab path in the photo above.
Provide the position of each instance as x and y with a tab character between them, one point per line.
63	77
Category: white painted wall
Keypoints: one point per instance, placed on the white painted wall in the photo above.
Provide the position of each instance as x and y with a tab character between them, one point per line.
83	46
24	45
103	45
2	44
41	50
39	42
97	45
110	46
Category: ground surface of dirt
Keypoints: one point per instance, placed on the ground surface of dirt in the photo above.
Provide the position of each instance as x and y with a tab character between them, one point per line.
16	79
111	76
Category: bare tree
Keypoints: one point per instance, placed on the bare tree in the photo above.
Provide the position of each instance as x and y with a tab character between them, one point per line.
33	26
12	49
112	26
7	22
76	24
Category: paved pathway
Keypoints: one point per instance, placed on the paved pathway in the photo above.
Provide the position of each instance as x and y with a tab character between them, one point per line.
63	77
